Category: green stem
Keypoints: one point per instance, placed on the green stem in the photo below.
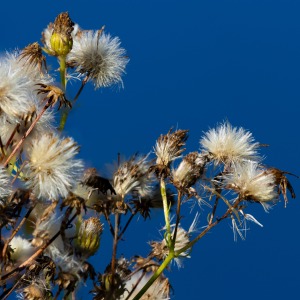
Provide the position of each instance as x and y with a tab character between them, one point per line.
63	119
165	263
63	80
166	210
62	70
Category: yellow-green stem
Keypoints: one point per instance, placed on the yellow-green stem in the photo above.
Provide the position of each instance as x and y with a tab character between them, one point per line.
63	80
62	70
162	267
166	210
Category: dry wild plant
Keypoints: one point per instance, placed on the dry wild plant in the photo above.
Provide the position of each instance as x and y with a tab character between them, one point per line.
53	211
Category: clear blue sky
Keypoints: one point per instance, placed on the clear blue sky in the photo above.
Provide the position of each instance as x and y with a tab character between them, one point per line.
194	64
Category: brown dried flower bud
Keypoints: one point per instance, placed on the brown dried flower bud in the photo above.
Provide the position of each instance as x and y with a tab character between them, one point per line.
189	170
169	147
32	55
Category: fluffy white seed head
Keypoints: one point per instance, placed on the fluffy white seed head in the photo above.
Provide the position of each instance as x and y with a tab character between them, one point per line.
52	169
100	56
229	144
22	249
251	182
18	86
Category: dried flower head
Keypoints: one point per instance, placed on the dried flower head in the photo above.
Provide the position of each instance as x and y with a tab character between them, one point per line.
37	290
283	183
132	174
189	170
169	147
251	182
53	94
33	55
52	169
99	56
229	144
89	235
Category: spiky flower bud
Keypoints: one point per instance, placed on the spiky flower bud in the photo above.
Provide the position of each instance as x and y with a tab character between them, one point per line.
88	240
61	40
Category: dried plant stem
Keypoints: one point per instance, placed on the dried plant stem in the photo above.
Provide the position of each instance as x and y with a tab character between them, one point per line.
35	255
126	225
166	210
177	219
12	136
213	210
16	230
83	83
164	264
115	244
8	292
17	147
111	228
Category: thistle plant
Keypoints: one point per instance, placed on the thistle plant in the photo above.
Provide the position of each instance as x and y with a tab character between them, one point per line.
54	210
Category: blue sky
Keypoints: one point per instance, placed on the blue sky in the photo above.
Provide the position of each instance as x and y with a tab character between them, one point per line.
194	64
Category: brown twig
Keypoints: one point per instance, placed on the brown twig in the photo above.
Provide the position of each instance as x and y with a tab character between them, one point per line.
26	134
177	218
83	83
35	255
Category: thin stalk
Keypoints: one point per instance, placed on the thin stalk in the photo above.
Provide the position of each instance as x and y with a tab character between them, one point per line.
166	209
115	244
111	228
62	71
26	134
213	210
63	80
34	255
126	226
135	285
177	219
164	264
12	136
83	83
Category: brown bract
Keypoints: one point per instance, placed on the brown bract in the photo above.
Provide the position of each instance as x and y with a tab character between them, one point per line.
32	55
53	94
